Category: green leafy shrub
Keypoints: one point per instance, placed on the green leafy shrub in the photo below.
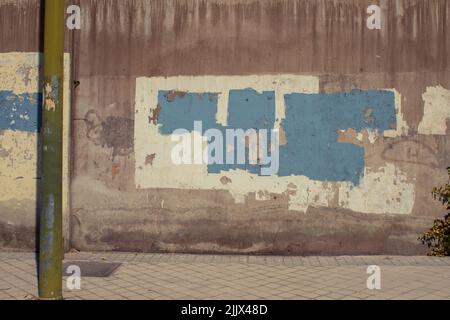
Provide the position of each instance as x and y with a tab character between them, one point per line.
438	237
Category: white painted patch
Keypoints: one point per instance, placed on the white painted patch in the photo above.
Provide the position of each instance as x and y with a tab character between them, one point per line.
301	191
19	72
372	135
436	111
18	165
382	190
359	136
401	125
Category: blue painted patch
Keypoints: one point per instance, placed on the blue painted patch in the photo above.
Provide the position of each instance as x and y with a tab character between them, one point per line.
20	112
179	111
250	109
247	109
311	126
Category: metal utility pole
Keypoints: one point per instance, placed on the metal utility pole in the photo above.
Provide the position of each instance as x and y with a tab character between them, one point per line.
51	241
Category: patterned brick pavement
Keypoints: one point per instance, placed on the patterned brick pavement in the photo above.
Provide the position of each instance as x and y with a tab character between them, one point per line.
180	276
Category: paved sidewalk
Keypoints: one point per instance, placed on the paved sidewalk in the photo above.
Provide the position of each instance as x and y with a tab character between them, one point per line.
180	276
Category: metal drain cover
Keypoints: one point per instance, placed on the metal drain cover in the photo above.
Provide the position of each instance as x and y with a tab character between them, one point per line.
92	268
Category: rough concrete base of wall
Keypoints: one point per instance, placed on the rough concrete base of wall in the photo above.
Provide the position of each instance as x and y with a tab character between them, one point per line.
261	230
319	231
18	225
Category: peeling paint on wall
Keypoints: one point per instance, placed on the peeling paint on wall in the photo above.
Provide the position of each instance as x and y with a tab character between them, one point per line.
383	190
312	123
436	111
19	112
20	72
18	169
339	183
401	128
19	124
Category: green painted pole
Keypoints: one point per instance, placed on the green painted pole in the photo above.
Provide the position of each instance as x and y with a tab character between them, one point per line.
51	240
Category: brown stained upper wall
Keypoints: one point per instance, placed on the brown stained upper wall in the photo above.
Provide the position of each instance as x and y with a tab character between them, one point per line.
247	37
122	40
152	37
20	27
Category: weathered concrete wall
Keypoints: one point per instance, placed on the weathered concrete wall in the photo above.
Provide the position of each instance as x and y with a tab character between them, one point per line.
363	118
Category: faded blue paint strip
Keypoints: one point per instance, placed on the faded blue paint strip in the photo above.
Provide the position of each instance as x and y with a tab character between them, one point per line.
311	126
20	112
